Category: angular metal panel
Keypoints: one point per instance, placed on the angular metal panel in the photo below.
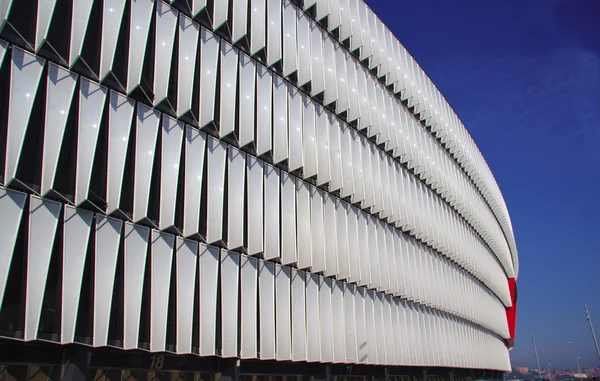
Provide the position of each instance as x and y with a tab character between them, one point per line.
335	154
45	9
272	222
356	38
147	121
283	316
326	319
298	314
370	323
274	30
59	95
247	94
363	244
3	45
209	270
313	325
304	51
309	137
387	328
195	144
280	120
12	204
91	106
352	242
166	23
338	322
136	247
255	202
187	47
230	275
345	160
112	15
139	28
240	20
209	53
80	18
350	324
357	166
330	236
216	152
317	201
290	41
334	19
341	209
361	333
172	139
161	261
266	302
228	78
345	20
76	233
120	116
295	129
220	13
248	305
379	329
322	126
343	102
236	185
186	269
108	236
257	25
43	221
331	94
352	68
288	220
26	71
322	10
303	222
264	112
316	59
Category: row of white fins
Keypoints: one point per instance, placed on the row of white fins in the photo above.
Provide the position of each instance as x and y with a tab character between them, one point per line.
290	36
321	146
283	313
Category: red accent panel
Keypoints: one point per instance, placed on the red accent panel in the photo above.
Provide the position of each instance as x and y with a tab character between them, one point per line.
511	312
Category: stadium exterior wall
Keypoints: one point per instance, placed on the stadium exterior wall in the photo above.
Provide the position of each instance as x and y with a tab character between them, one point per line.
261	180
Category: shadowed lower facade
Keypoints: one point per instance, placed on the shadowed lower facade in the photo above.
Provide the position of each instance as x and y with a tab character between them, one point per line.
198	189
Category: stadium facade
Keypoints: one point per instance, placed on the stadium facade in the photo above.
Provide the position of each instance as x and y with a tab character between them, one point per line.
252	189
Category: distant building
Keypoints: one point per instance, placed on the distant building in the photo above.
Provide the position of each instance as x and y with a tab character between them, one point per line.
522	369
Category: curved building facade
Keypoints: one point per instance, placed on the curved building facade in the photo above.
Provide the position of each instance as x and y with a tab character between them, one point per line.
228	188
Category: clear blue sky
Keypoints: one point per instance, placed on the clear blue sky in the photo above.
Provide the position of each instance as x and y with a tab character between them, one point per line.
524	77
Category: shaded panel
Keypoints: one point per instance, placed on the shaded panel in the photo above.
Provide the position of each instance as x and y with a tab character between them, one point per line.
43	221
266	301
186	260
209	269
280	120
136	247
236	185
303	209
188	46
248	305
209	52
247	95
255	202
12	204
230	268
147	121
313	326
161	261
217	152
91	106
108	236
77	227
120	116
26	70
272	183
59	96
288	220
264	112
298	314
195	144
228	82
172	138
139	28
283	312
166	24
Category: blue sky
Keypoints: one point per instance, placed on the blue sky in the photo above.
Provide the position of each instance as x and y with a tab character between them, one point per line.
524	77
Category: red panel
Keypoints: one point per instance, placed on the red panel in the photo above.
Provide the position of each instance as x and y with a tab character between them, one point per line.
511	312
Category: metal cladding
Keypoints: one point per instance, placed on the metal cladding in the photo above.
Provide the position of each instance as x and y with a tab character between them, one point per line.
254	179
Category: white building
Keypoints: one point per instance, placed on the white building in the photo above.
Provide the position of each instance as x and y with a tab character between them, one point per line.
200	180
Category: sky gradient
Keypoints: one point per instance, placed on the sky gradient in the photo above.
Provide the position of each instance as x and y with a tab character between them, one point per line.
524	77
